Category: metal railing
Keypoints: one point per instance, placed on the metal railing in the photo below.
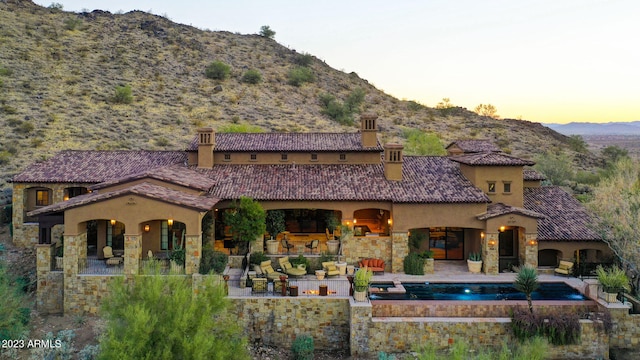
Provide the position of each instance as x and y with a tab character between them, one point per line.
91	266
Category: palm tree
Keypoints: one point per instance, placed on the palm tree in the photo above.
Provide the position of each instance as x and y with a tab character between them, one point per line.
527	282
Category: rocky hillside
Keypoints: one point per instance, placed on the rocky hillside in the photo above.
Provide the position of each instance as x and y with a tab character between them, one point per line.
59	72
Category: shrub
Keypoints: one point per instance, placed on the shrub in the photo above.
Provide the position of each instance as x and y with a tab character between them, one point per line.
14	315
558	328
300	260
5	157
302	347
123	95
325	257
240	128
527	282
142	322
300	75
25	128
215	261
178	256
5	71
218	70
303	59
422	143
266	31
613	279
413	264
257	257
72	23
252	76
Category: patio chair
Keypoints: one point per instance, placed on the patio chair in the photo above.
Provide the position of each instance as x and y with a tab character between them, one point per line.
564	268
267	269
286	245
313	244
289	269
110	259
330	268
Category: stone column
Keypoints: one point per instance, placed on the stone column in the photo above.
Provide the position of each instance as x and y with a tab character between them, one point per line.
399	249
360	319
531	250
132	254
70	272
490	255
193	249
44	254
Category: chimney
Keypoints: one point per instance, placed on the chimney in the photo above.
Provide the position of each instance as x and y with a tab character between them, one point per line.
393	162
368	130
206	142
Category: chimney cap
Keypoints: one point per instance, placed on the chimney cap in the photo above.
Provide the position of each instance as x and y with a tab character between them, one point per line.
205	129
368	116
393	146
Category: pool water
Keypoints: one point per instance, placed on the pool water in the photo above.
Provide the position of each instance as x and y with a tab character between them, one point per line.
475	291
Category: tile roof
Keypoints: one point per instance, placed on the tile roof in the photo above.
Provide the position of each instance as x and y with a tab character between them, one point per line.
89	166
289	142
151	191
475	146
499	209
491	159
566	218
532	175
425	180
175	174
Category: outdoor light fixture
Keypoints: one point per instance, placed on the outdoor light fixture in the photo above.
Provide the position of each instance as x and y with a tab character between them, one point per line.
147	228
532	242
502	228
355	221
113	222
389	221
481	234
65	198
170	222
492	242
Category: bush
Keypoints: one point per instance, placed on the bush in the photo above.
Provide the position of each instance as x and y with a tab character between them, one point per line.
123	95
302	347
257	257
413	264
14	315
266	31
252	76
178	256
300	75
72	23
300	260
142	322
303	59
558	328
218	70
613	279
212	261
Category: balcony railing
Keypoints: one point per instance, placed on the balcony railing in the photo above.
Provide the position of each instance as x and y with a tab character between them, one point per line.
304	287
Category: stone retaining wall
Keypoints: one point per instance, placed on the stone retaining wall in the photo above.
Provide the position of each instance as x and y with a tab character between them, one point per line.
277	321
90	291
626	327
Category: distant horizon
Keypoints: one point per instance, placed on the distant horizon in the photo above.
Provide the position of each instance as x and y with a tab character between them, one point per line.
544	61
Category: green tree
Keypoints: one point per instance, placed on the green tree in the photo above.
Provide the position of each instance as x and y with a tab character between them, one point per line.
300	75
422	143
275	222
14	313
158	317
616	201
557	167
527	282
252	76
354	100
577	144
246	219
612	154
304	59
266	31
217	70
487	110
123	95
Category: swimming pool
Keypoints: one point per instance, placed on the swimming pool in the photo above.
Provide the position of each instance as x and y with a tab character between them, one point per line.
475	291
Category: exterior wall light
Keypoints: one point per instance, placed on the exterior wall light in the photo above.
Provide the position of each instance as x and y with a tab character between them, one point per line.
481	234
492	243
170	222
533	242
113	222
389	221
502	228
147	228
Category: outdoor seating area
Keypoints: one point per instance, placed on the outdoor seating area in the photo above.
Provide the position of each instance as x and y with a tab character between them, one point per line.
564	268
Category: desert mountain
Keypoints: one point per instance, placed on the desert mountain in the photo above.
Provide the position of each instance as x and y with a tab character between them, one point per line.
59	72
610	128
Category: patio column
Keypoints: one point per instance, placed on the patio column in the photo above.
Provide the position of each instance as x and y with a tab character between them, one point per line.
193	248
132	254
490	255
399	249
71	302
531	250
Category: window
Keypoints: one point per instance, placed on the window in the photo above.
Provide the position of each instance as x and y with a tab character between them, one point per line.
164	236
492	187
227	157
314	157
507	187
284	157
253	157
42	197
343	157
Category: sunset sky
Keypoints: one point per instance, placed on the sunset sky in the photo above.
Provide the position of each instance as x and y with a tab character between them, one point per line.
545	61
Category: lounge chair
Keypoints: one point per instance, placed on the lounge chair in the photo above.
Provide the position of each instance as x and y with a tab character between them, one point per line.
564	268
267	269
289	269
330	268
110	259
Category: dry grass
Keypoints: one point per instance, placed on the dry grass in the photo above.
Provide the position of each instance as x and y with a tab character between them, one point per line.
62	82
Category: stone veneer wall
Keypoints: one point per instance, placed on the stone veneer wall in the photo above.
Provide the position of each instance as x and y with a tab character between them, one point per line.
89	292
49	290
400	249
356	248
277	321
462	308
626	327
490	256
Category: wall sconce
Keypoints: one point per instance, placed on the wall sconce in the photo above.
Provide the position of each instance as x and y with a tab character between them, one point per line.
533	242
502	228
170	222
113	222
355	221
481	234
147	228
492	243
65	198
389	221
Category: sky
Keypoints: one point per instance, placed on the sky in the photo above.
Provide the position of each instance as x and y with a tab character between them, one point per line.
548	61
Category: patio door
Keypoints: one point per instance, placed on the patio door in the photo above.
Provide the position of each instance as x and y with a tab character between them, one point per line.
447	243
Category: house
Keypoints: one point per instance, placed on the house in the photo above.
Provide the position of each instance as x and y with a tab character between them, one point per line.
476	199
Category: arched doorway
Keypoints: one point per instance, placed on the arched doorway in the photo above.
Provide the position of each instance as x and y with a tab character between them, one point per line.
549	257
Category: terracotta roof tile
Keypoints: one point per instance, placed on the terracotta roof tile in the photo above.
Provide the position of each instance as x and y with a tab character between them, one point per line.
491	159
499	209
566	218
175	174
475	146
425	180
151	191
289	142
82	166
532	175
